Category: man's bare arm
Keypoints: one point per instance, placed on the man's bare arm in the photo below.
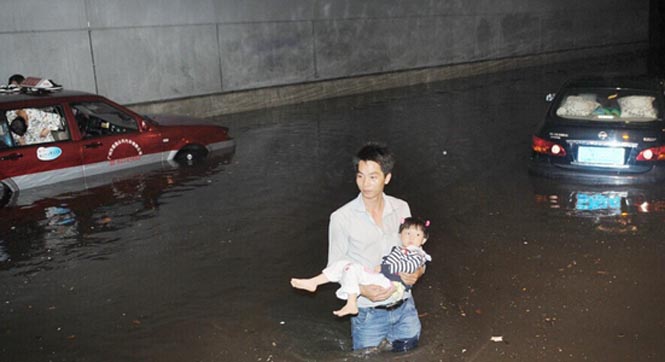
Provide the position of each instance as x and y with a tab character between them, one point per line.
375	293
412	278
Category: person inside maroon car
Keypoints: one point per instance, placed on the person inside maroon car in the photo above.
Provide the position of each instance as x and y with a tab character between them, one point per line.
31	126
16	79
18	128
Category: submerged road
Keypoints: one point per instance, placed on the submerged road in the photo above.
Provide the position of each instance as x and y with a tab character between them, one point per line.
194	264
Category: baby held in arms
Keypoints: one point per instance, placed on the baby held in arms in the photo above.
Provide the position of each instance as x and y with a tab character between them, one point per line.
406	258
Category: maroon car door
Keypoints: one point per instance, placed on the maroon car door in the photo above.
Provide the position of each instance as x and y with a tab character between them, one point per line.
42	152
112	138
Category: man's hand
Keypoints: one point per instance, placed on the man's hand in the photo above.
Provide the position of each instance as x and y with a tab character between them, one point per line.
411	279
375	293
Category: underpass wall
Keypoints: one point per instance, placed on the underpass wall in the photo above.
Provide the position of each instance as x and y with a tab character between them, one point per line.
208	57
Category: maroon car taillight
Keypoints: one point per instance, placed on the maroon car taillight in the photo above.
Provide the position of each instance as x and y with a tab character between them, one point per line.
540	145
652	154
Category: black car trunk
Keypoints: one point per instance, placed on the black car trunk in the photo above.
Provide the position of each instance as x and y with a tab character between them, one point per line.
603	146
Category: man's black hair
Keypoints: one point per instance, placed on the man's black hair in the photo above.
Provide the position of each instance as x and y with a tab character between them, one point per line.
378	153
18	126
18	78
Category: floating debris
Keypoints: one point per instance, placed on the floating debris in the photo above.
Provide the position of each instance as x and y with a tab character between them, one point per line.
498	339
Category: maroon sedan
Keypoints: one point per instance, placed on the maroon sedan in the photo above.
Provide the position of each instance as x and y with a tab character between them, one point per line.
50	136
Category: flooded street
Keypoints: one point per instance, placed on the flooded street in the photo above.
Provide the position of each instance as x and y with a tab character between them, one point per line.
193	264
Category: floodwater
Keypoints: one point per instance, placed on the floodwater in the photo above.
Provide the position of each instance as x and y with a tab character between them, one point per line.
193	263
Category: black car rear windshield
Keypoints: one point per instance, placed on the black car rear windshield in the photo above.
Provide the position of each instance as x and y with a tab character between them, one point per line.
608	105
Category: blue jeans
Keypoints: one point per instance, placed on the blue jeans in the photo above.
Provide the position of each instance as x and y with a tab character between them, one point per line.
400	326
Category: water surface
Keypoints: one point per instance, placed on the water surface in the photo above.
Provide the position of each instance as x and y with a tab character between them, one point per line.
192	264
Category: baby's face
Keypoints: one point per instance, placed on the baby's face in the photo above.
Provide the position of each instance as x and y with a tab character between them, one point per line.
412	236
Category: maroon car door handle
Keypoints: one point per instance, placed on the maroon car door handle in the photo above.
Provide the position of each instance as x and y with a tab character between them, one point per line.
93	145
11	156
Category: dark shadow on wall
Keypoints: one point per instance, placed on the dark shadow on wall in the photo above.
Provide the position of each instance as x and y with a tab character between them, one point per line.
657	37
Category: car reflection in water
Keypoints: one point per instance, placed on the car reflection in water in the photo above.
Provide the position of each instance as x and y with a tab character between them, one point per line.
67	217
613	208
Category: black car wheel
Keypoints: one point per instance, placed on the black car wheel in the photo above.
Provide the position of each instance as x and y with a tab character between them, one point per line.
191	154
5	194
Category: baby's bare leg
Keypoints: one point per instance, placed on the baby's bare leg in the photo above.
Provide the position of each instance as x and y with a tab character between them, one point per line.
309	284
351	306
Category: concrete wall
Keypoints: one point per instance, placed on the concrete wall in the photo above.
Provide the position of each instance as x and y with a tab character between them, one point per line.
143	51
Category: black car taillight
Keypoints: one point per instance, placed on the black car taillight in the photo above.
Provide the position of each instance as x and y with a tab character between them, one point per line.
652	154
540	145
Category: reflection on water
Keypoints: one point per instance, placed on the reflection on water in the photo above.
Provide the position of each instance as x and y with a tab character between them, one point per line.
598	201
60	224
65	219
613	208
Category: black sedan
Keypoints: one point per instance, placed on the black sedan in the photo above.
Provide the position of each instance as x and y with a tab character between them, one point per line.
603	131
